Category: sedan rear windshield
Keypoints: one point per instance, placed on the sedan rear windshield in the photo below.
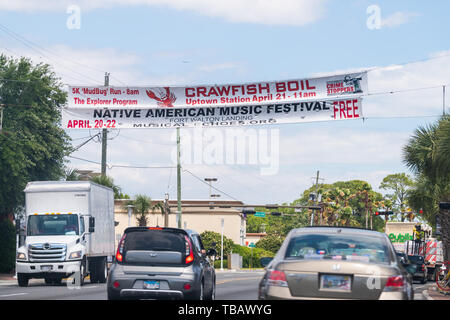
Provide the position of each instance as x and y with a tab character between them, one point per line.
338	247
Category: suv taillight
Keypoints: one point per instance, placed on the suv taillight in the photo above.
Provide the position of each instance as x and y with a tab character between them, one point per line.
277	278
119	252
189	252
395	283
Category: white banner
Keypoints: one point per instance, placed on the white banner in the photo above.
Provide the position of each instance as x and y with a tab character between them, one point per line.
289	91
212	116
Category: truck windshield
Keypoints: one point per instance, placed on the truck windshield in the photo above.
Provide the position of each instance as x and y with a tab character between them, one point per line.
53	225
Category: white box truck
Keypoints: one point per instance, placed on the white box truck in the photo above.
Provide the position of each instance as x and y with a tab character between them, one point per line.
69	232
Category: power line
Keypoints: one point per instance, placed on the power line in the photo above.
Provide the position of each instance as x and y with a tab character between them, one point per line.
41	51
201	180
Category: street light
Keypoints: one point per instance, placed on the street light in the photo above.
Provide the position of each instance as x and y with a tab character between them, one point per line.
130	208
210	180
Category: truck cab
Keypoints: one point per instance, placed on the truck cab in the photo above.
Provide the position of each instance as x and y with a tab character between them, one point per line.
65	242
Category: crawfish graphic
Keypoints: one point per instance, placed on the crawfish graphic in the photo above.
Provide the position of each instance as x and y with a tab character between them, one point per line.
165	99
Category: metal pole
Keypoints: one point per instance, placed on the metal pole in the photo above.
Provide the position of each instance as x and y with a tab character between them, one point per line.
178	179
221	246
104	135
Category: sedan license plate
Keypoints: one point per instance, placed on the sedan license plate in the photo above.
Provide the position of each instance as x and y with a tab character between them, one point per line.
46	268
334	282
151	284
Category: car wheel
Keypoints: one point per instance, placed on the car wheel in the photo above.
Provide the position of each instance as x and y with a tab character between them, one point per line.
424	280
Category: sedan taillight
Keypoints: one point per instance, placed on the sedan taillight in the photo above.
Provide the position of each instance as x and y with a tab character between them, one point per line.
277	278
395	283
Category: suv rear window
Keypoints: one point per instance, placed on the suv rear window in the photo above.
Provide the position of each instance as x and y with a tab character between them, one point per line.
154	247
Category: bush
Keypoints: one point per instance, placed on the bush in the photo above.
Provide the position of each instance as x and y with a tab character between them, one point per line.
7	247
247	258
217	264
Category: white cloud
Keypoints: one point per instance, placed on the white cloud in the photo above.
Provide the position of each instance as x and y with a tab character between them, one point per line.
280	12
397	18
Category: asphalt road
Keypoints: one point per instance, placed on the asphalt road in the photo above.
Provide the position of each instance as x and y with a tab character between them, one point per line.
230	286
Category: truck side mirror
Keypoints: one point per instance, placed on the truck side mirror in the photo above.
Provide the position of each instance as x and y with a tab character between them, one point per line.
91	224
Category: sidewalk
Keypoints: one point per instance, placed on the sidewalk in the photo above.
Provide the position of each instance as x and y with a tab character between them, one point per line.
4	277
433	294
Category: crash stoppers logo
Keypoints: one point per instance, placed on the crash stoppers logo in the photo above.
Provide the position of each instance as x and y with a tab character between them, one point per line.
164	98
345	86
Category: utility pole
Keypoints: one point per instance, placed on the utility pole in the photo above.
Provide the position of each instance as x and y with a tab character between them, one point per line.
367	209
316	198
178	179
443	100
166	211
104	135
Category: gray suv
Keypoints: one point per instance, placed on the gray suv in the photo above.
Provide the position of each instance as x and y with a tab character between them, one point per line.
161	263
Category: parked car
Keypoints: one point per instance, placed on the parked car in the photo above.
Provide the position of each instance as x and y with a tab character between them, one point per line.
421	271
161	263
336	263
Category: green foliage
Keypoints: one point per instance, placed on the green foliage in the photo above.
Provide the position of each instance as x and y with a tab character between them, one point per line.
251	259
209	237
399	184
108	182
270	243
32	144
427	155
8	246
217	264
344	204
142	205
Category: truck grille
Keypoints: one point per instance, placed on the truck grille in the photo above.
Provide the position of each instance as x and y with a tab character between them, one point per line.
47	252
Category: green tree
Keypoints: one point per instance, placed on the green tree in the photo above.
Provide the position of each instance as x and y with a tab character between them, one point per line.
270	243
426	154
211	239
108	182
399	184
346	203
32	143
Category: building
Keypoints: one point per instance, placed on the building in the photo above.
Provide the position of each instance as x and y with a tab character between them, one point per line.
199	218
253	237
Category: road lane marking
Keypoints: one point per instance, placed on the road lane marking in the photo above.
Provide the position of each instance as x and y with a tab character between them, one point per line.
12	294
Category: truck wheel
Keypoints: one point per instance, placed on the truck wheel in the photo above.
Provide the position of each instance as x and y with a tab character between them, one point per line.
93	267
102	271
22	279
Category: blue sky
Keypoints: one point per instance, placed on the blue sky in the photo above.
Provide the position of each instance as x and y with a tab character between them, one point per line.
155	42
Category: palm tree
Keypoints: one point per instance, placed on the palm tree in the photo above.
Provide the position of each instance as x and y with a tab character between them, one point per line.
71	175
427	154
108	182
142	204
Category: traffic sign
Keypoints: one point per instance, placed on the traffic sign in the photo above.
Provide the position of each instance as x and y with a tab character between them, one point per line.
260	214
252	245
